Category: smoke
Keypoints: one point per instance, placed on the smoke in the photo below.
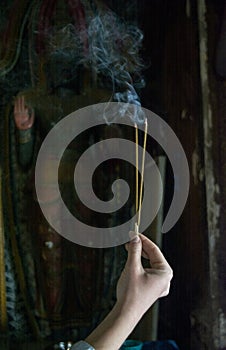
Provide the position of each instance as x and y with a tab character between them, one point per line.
113	55
65	41
114	47
114	52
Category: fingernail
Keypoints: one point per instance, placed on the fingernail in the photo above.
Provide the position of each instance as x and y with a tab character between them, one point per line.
132	234
134	238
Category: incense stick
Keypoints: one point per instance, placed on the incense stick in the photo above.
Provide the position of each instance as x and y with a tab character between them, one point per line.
142	173
137	184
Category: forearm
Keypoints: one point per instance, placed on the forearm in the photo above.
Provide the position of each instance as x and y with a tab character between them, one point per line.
25	146
137	290
114	329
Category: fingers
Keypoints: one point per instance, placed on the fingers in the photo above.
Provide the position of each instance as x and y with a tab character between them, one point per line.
147	249
32	118
16	105
19	105
134	249
132	236
22	104
153	252
143	253
24	116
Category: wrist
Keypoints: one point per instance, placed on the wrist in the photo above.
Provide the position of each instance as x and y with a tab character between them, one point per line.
114	329
129	311
25	135
136	306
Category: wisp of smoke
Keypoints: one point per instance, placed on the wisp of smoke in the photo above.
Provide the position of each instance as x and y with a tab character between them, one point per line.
113	54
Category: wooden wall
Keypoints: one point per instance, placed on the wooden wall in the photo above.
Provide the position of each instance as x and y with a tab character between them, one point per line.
194	312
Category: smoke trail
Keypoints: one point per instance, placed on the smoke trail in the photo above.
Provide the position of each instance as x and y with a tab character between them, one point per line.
114	52
113	56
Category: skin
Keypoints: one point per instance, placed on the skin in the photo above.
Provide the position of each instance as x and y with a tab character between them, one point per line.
23	115
137	289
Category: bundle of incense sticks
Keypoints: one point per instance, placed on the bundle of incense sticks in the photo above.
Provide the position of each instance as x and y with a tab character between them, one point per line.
139	192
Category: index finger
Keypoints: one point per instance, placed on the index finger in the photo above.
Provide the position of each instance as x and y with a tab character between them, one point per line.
17	105
153	252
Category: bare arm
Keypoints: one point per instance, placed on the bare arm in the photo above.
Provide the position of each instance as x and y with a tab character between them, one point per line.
137	290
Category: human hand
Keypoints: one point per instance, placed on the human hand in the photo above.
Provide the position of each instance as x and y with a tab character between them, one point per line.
23	115
138	287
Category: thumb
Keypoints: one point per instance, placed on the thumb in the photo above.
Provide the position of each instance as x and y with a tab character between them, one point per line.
134	248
